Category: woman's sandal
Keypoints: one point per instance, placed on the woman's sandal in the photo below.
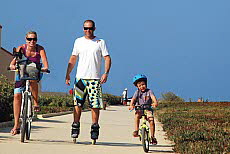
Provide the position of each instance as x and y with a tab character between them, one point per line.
37	109
15	131
135	133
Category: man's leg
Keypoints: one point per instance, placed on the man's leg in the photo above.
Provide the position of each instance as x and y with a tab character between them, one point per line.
77	114
76	123
95	115
95	126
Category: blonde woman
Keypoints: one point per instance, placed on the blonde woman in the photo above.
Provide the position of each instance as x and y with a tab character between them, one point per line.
35	53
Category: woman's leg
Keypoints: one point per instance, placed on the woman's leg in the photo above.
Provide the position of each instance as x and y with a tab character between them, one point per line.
34	90
17	109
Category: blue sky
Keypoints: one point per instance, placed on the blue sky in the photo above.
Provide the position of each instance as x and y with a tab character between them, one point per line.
181	46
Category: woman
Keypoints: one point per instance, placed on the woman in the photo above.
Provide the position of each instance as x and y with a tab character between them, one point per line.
34	52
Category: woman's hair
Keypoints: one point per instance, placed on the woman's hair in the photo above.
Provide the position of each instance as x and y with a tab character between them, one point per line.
31	32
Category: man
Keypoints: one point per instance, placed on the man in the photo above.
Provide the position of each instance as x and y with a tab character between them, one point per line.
90	50
125	96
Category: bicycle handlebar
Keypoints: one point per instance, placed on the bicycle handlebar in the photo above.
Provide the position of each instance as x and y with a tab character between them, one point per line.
47	71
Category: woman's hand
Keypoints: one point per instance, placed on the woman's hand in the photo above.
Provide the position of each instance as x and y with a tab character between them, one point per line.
12	67
44	69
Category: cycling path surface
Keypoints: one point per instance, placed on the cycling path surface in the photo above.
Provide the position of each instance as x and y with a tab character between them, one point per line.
52	135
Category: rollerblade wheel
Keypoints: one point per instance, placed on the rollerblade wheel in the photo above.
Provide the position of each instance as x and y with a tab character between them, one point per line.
94	142
74	140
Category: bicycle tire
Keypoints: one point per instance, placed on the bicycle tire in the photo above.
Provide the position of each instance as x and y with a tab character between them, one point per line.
28	130
24	117
28	124
145	139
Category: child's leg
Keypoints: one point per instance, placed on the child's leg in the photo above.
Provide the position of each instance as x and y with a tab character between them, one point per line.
152	126
136	124
137	120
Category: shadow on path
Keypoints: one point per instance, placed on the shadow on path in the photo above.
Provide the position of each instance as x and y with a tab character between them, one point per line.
161	151
117	144
53	121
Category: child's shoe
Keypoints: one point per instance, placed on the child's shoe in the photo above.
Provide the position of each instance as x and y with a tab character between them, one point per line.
135	133
153	141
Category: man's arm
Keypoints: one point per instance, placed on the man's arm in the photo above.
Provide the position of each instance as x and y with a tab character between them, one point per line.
107	68
71	64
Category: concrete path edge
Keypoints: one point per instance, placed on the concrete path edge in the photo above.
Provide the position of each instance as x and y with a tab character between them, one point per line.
36	117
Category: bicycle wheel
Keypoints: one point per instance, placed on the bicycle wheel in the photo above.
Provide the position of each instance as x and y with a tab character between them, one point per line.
24	117
28	130
145	139
29	121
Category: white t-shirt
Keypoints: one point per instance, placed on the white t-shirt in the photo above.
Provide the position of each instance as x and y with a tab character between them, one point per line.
90	53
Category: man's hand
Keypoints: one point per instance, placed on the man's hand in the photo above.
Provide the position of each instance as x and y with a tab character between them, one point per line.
67	80
104	78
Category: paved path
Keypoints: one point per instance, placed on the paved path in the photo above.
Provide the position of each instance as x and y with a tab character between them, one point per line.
52	135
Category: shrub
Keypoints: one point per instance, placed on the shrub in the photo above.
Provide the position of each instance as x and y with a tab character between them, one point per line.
111	99
171	97
6	99
197	127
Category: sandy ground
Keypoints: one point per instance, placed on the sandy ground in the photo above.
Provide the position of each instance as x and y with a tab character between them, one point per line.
52	135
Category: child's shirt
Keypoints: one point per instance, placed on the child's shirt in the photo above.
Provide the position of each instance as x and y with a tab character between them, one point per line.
143	97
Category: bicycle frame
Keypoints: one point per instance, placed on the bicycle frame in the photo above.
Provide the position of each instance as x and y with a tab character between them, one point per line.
26	111
144	130
30	101
144	122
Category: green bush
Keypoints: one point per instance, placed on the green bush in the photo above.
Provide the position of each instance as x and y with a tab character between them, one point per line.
53	109
171	97
111	99
6	99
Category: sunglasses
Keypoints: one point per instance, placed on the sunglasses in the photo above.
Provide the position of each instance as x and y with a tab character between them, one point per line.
88	28
30	39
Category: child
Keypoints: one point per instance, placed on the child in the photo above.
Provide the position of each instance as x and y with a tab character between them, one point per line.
143	96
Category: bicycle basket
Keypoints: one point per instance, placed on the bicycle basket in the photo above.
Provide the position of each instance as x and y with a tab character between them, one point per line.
29	70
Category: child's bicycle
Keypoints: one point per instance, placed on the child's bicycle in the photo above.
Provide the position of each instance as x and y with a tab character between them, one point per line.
27	112
144	131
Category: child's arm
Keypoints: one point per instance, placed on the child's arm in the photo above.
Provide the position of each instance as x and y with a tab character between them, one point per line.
154	99
131	106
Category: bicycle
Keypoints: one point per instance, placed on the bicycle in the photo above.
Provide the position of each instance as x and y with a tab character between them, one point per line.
144	130
27	112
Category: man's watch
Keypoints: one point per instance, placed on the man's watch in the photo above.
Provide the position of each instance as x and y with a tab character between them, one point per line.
106	73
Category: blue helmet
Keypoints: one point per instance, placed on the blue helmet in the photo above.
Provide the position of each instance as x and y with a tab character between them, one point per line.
139	77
